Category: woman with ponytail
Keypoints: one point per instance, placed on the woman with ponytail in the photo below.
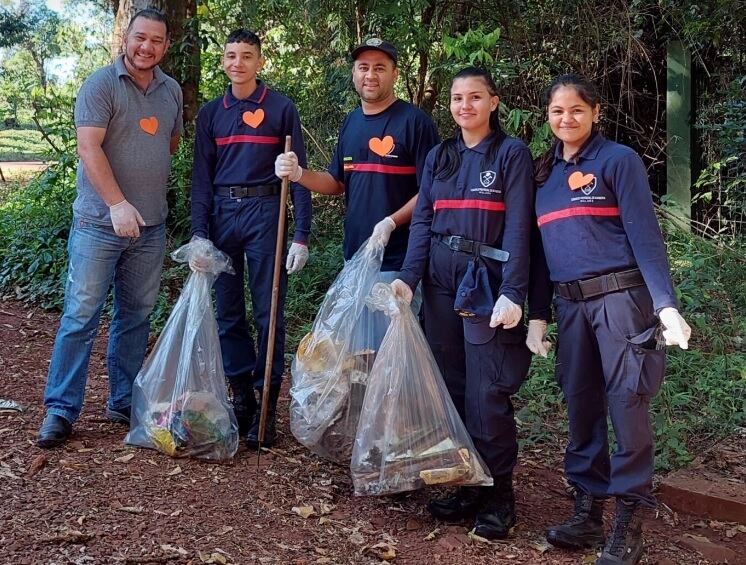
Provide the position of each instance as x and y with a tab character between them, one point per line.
469	244
616	310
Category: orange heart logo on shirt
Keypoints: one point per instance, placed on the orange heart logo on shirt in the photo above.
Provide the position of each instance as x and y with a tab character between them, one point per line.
253	119
149	125
383	146
578	180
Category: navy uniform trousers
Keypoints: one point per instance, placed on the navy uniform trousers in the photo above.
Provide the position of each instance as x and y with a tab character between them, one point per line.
248	226
609	361
479	378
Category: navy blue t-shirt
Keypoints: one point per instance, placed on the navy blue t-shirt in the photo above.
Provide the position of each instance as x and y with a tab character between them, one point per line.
379	159
488	202
236	144
596	217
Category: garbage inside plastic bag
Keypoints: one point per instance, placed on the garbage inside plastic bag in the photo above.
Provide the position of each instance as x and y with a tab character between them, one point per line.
180	400
409	433
331	367
10	405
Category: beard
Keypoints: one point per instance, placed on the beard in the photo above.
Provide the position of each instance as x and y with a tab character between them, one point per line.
376	96
140	66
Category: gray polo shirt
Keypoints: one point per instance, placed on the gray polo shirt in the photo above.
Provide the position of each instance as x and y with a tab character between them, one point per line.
139	126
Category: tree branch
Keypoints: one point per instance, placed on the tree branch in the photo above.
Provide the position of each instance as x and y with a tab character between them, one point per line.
45	135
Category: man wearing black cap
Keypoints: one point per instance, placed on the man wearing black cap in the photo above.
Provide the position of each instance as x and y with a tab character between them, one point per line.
378	161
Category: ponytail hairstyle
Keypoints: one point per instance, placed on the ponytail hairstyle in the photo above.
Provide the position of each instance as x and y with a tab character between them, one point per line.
448	157
589	94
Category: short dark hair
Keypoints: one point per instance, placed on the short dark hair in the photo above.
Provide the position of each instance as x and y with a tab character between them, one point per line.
242	35
151	14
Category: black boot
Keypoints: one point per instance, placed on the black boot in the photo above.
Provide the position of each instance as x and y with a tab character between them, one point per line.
585	528
625	543
54	431
244	403
497	514
270	430
464	503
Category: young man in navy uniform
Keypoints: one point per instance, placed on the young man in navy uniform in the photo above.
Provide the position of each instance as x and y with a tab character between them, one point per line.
378	161
235	203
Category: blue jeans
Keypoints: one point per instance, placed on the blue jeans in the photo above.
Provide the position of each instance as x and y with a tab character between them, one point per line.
99	258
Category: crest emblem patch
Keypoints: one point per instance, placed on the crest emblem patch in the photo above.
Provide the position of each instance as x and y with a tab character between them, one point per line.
487	178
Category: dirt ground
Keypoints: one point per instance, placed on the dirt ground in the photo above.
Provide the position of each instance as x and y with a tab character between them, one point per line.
96	500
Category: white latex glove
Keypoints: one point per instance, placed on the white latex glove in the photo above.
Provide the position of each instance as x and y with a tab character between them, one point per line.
199	262
286	165
536	340
125	219
402	291
382	230
675	329
297	258
506	313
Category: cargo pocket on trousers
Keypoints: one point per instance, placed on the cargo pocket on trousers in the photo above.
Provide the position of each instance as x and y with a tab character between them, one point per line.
514	362
646	361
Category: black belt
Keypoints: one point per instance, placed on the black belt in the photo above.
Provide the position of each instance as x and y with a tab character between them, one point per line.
598	286
248	191
458	243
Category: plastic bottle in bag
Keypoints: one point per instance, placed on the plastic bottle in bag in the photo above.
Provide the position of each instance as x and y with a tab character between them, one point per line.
180	400
409	433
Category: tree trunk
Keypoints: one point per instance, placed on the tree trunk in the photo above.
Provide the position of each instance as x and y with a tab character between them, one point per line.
425	99
39	67
182	61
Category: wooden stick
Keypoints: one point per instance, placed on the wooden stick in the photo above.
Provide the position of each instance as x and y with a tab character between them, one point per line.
279	252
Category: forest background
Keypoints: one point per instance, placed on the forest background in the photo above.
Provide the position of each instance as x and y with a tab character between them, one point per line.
622	45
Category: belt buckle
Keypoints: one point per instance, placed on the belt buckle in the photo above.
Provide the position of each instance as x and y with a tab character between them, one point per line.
464	245
241	189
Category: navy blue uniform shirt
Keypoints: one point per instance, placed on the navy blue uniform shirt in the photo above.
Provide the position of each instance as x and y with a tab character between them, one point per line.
236	144
379	159
485	202
596	217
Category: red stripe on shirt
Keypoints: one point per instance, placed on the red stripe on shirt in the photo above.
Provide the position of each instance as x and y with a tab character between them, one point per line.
578	211
246	139
473	204
264	94
378	168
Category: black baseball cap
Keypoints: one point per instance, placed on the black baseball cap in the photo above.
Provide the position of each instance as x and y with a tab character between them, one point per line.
376	44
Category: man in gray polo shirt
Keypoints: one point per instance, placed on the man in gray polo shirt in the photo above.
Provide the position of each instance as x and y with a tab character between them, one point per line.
128	117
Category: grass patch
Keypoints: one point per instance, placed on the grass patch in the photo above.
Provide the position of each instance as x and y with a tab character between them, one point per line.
23	145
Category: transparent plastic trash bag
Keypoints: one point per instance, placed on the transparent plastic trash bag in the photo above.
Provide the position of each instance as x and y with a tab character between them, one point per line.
409	434
180	400
331	367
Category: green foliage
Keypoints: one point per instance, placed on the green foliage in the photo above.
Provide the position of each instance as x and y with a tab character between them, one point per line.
33	234
34	221
720	191
475	46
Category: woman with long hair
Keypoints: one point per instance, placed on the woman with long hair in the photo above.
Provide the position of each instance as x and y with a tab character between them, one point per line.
469	245
616	310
